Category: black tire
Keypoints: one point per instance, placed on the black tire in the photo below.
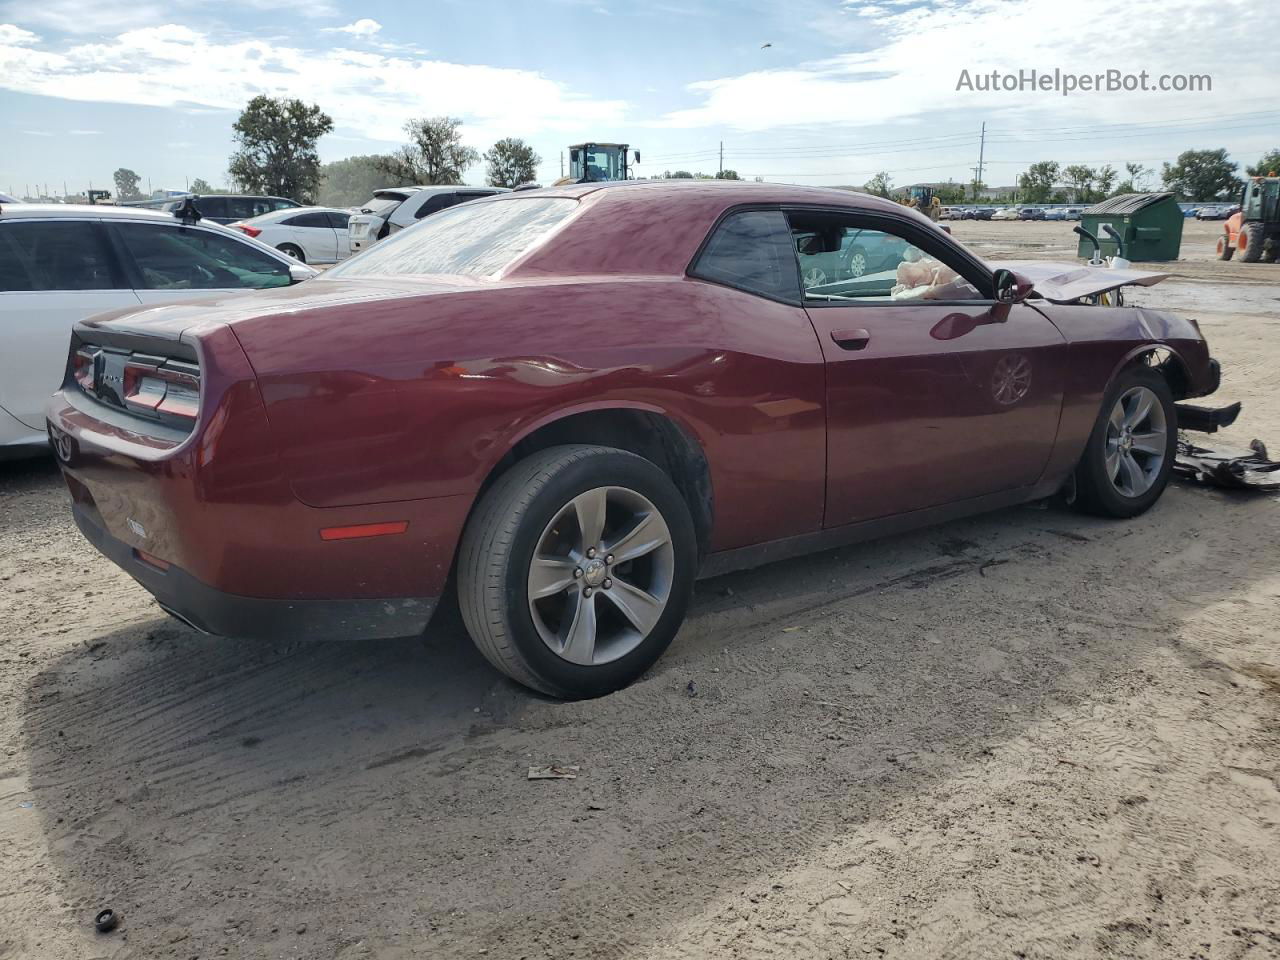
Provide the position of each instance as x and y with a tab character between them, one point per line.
498	546
293	251
1251	242
1225	249
1095	491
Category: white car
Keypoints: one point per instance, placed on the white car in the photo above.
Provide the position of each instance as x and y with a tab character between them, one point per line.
5	198
395	208
1006	213
60	263
308	234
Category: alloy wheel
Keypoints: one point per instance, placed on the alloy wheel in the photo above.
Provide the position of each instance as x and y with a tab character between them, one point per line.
813	277
601	575
1137	441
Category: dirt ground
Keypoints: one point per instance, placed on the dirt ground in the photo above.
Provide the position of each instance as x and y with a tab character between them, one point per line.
1031	734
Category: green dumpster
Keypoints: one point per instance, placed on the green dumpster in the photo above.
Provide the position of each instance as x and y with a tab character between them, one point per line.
1150	223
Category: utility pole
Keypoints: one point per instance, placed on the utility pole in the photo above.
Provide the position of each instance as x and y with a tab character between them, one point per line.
562	164
982	149
720	172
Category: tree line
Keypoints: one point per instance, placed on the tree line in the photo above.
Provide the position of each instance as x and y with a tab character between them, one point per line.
276	155
1197	175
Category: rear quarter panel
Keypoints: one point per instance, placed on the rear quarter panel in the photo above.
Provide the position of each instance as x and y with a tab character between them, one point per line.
421	397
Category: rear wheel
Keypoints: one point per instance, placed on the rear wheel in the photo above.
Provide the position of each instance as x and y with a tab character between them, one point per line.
1250	242
576	569
293	250
1130	453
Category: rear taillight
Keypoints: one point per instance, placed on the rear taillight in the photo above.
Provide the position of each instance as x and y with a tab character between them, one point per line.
82	365
172	389
251	231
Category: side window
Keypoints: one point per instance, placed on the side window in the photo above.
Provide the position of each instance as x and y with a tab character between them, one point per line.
436	203
56	255
279	204
210	207
339	221
308	220
842	260
242	208
187	258
752	251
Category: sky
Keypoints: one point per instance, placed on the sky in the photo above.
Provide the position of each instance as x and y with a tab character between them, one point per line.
806	91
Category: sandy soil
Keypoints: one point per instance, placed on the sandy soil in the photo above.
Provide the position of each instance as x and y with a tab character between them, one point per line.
1032	734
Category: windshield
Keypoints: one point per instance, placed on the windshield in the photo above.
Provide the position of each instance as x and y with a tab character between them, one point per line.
475	239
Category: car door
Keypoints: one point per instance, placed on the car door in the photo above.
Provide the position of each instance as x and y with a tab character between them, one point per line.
340	222
935	392
314	235
52	273
172	261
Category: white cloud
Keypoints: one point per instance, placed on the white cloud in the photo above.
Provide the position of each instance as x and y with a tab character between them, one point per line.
15	36
363	27
371	93
917	53
104	16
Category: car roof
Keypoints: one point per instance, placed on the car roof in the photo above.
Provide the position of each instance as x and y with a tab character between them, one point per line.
730	191
447	188
291	212
99	211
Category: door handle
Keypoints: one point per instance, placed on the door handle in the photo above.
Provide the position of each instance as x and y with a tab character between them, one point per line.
851	339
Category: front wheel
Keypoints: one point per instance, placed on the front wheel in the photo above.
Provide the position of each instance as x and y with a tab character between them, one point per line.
1225	250
576	569
1130	453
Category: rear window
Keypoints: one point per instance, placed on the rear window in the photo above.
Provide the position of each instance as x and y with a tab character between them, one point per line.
476	239
382	204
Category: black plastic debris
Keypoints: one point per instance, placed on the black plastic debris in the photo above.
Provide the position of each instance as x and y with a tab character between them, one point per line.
1230	469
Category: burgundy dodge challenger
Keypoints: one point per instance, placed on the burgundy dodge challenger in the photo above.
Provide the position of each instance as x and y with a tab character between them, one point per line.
568	404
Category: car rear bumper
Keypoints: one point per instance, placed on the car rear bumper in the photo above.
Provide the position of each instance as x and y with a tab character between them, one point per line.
255	618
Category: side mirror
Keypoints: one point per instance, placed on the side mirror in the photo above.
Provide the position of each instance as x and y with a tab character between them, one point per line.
637	153
299	272
1010	287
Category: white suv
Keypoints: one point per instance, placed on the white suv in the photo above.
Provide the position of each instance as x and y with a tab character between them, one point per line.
60	263
395	208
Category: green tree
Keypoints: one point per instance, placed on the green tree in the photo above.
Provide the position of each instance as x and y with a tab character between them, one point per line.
949	193
881	184
1136	173
127	184
1268	166
1106	181
677	175
435	153
511	162
1201	175
201	186
1080	179
344	183
277	147
728	175
1037	182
